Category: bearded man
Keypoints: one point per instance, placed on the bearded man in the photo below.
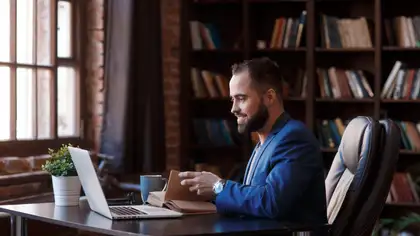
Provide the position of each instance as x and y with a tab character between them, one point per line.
284	179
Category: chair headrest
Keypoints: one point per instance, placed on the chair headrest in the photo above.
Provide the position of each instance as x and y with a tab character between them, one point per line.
355	142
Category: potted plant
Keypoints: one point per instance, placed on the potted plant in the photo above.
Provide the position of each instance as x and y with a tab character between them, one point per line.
66	183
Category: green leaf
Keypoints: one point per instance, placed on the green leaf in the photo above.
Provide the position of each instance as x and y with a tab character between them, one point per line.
60	163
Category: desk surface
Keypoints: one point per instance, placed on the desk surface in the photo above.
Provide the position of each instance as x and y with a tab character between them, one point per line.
83	218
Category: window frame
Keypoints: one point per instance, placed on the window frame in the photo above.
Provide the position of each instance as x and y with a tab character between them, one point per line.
25	148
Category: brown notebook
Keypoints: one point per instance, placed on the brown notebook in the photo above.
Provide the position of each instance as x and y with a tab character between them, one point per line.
179	198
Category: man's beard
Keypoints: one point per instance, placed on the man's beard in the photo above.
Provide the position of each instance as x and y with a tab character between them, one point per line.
256	122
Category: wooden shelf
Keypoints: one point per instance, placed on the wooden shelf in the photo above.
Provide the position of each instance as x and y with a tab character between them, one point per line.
329	150
402	151
295	99
403	204
279	50
344	100
207	2
275	1
399	49
344	50
409	152
400	101
217	51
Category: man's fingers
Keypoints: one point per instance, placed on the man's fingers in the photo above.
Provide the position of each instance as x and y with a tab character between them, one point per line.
189	182
204	191
194	188
189	174
201	190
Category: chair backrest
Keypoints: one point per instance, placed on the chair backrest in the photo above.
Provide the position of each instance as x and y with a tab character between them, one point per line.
385	167
351	171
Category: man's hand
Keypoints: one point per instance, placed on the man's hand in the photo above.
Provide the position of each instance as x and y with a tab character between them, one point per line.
201	182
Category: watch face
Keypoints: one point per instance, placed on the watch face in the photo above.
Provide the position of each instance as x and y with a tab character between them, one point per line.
218	188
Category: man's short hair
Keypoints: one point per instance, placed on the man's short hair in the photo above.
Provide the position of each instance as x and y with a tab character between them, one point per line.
264	73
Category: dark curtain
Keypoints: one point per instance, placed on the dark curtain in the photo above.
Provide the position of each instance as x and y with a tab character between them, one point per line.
133	130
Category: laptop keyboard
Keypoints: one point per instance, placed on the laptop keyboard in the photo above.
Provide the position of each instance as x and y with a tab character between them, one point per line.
123	210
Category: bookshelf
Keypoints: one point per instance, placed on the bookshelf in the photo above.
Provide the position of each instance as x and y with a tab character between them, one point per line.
336	69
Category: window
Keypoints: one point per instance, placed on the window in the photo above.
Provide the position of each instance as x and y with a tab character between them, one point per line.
39	77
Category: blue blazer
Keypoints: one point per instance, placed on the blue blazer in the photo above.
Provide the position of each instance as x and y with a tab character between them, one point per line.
287	183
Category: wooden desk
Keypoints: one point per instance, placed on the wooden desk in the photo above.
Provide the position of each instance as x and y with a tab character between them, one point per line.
83	218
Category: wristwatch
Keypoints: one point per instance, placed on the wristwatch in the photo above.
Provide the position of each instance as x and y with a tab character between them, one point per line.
218	186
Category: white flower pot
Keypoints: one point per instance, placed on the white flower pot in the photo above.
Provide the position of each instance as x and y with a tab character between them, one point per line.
66	190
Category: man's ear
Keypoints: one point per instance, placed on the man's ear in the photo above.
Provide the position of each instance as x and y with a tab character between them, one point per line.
271	96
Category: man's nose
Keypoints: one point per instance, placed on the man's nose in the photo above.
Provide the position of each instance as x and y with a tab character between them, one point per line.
235	109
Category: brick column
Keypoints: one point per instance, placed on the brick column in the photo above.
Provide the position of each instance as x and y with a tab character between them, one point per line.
95	71
170	10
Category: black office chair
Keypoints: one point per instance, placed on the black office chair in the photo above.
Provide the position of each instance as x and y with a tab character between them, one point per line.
363	167
350	173
379	187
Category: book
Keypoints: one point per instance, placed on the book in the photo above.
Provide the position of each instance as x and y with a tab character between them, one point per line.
180	198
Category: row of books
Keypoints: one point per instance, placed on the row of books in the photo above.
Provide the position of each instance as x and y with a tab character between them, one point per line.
219	132
204	36
344	33
402	83
410	135
296	84
215	132
287	32
208	84
329	133
403	31
403	189
333	82
339	83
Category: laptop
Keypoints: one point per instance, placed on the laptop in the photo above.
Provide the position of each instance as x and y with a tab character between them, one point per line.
96	198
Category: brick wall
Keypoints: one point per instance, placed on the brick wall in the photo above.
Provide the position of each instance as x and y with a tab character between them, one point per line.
94	68
170	10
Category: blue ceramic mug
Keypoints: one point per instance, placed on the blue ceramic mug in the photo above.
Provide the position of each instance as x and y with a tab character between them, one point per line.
151	183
